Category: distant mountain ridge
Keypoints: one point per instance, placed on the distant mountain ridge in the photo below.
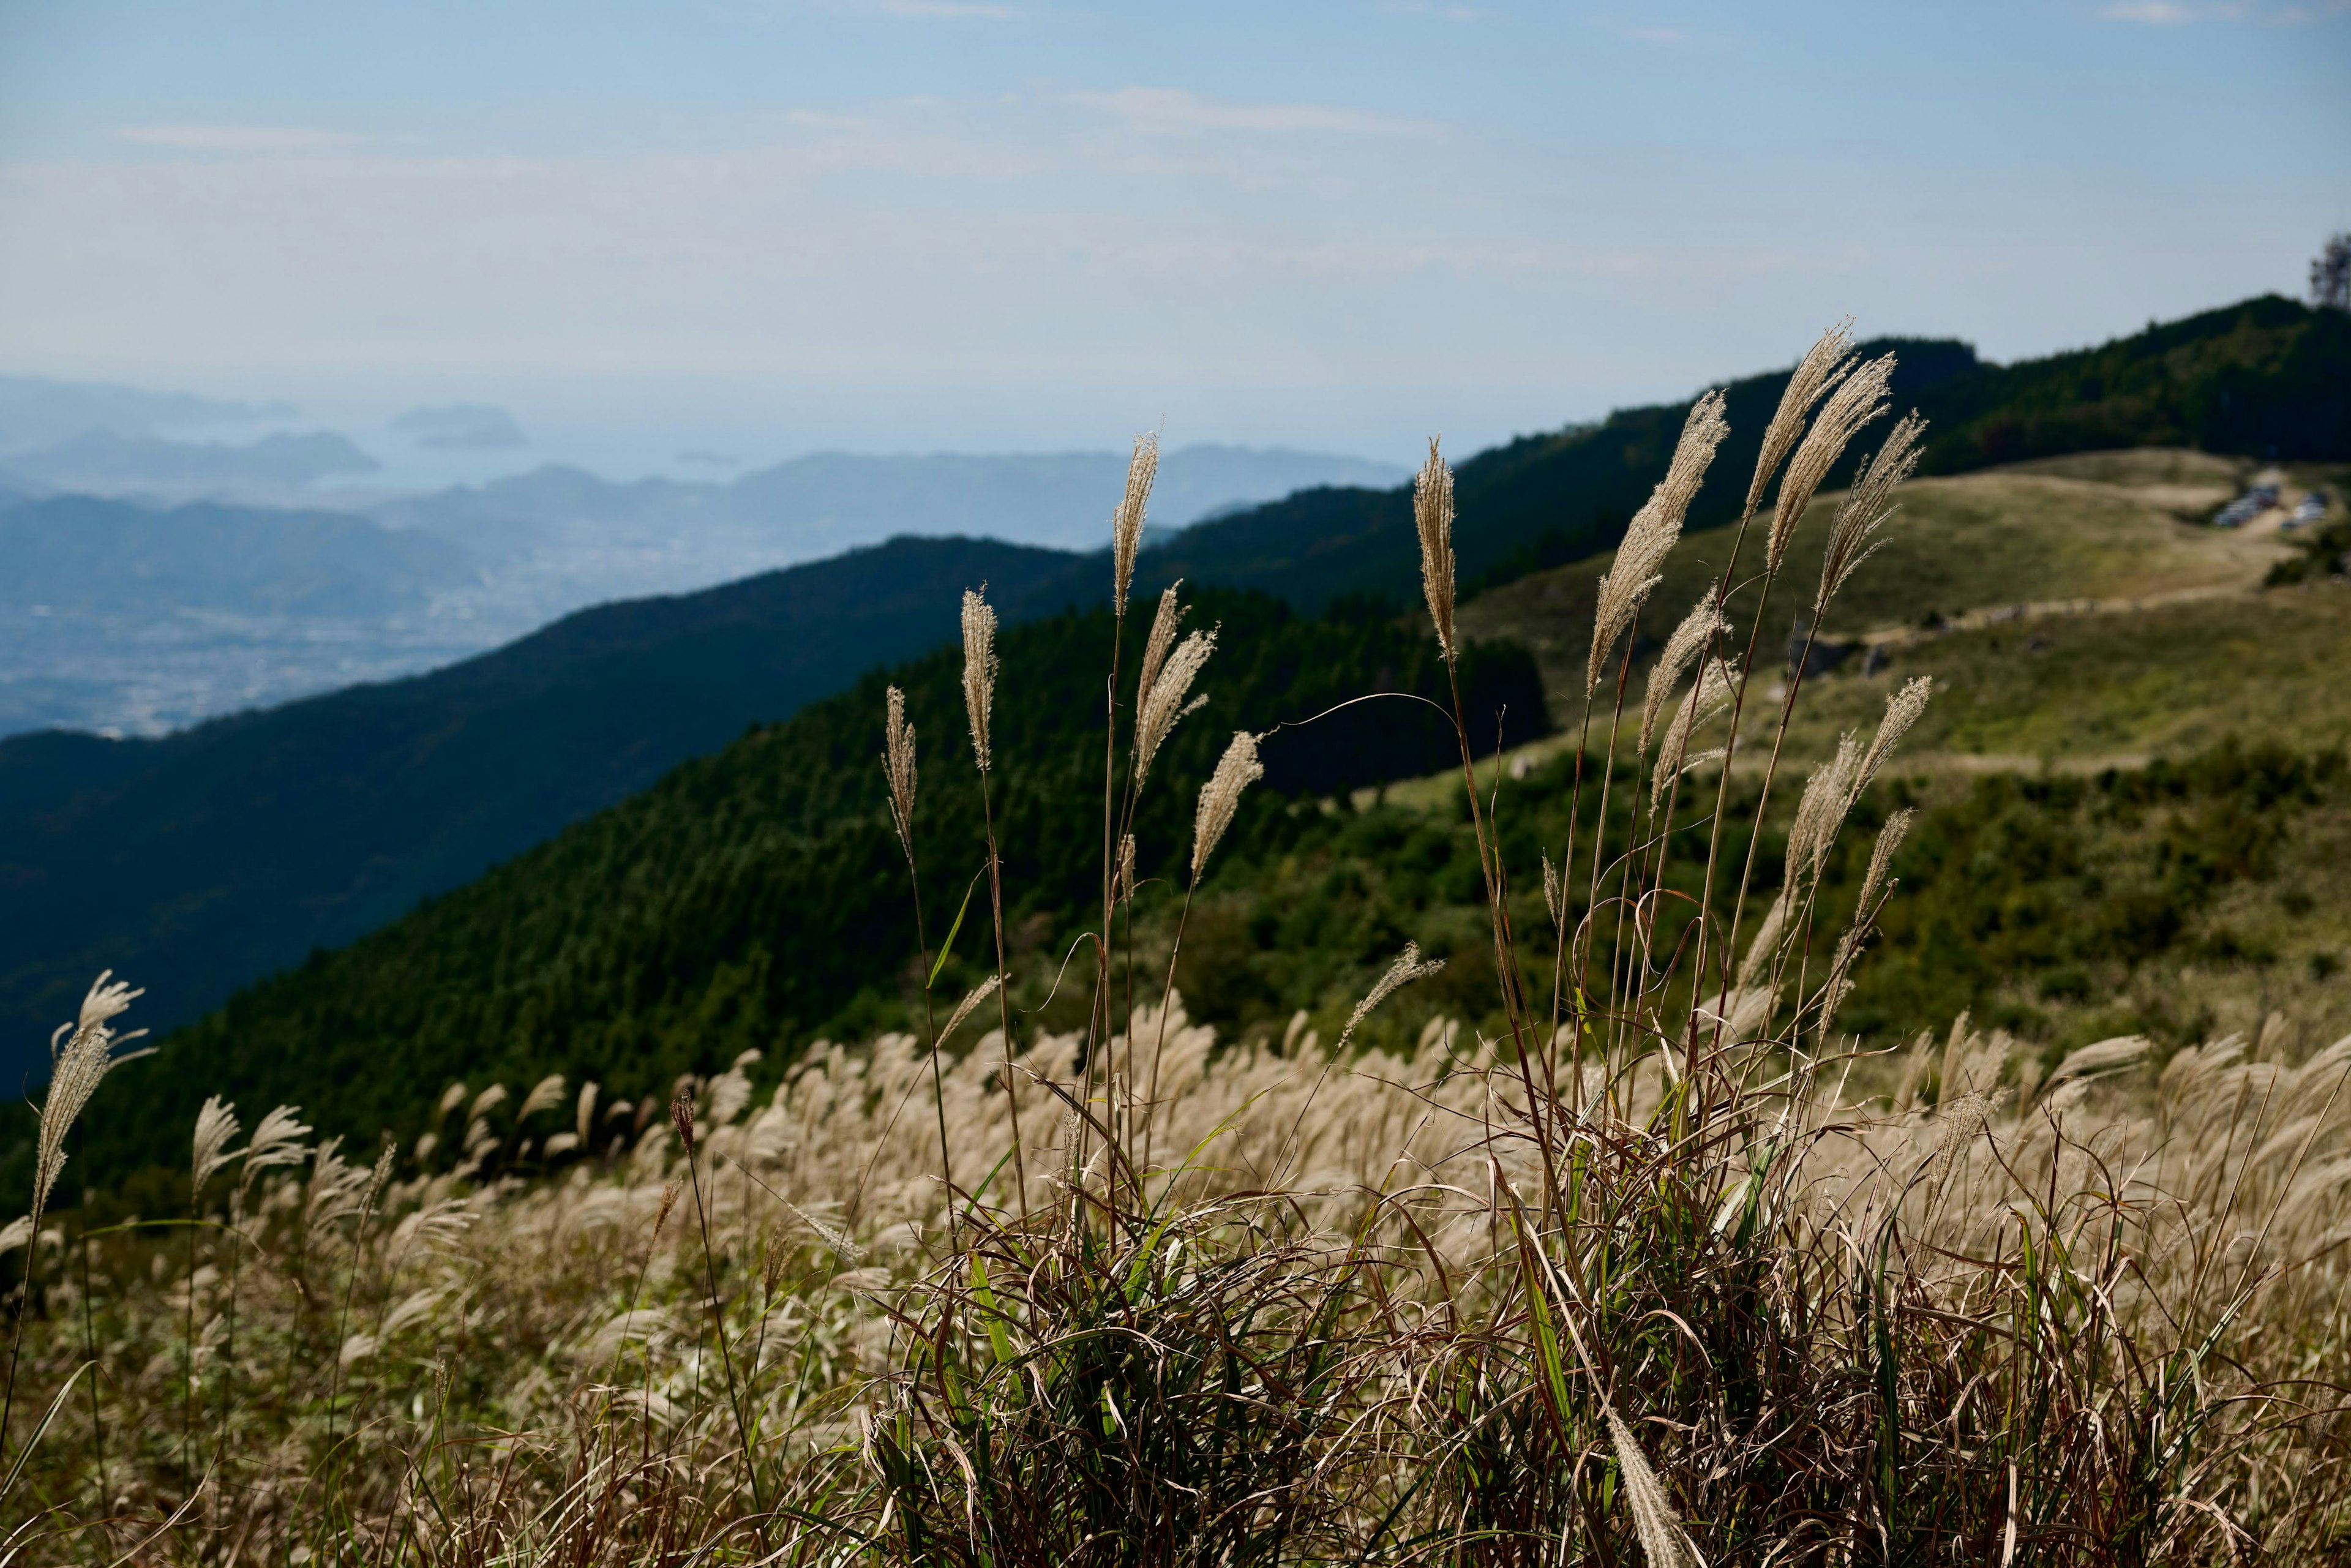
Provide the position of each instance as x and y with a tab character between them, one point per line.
100	458
834	500
2264	377
83	553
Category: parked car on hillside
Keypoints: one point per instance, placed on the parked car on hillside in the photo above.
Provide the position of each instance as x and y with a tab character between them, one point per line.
2247	506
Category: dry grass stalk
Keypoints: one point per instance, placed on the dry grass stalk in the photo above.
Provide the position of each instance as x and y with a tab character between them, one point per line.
1697	632
1408	966
979	672
1220	797
1824	364
898	768
74	1074
1431	514
1167	678
1126	522
1856	399
1868	506
1653	531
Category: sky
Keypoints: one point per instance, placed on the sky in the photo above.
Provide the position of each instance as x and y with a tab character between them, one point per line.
760	227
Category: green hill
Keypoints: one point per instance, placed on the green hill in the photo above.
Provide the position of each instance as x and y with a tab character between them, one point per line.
2266	378
756	898
205	860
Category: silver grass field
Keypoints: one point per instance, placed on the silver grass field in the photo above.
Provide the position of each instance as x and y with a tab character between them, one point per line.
1667	1271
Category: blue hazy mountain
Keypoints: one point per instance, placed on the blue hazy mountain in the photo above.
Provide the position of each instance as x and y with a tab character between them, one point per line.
103	460
833	500
35	412
462	427
82	554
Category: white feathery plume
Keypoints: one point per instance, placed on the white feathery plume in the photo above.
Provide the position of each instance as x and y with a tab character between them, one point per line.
978	671
1431	513
1408	966
584	1116
1902	710
74	1073
1869	506
2104	1057
277	1140
1163	622
451	1098
1220	797
1550	889
1650	537
1697	628
544	1095
1820	812
487	1101
1858	397
1126	522
1663	1542
17	1233
216	1128
1160	706
1881	856
898	766
1822	367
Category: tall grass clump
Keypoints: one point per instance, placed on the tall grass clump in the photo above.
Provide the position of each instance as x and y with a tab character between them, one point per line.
1659	1269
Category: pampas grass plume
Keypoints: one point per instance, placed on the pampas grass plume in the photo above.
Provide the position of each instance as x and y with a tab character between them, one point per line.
1857	399
1653	531
898	768
1126	522
1220	797
1432	512
978	671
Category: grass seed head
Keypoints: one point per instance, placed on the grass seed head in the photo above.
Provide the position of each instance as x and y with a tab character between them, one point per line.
1432	512
1868	506
1824	364
1161	705
1651	534
979	670
1697	629
898	768
1408	966
1126	522
216	1129
1857	399
1220	797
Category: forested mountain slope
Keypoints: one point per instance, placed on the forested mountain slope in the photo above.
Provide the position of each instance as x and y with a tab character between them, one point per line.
757	896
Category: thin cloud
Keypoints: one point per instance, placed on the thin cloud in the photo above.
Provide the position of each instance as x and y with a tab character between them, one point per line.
233	138
1443	13
1172	111
962	10
2177	14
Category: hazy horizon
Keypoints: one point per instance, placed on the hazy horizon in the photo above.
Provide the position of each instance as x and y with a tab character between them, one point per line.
766	229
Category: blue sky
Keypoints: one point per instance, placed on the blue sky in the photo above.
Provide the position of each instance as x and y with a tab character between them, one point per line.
914	225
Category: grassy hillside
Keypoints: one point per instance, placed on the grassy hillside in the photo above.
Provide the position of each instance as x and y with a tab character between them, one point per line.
756	898
2264	379
2068	611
